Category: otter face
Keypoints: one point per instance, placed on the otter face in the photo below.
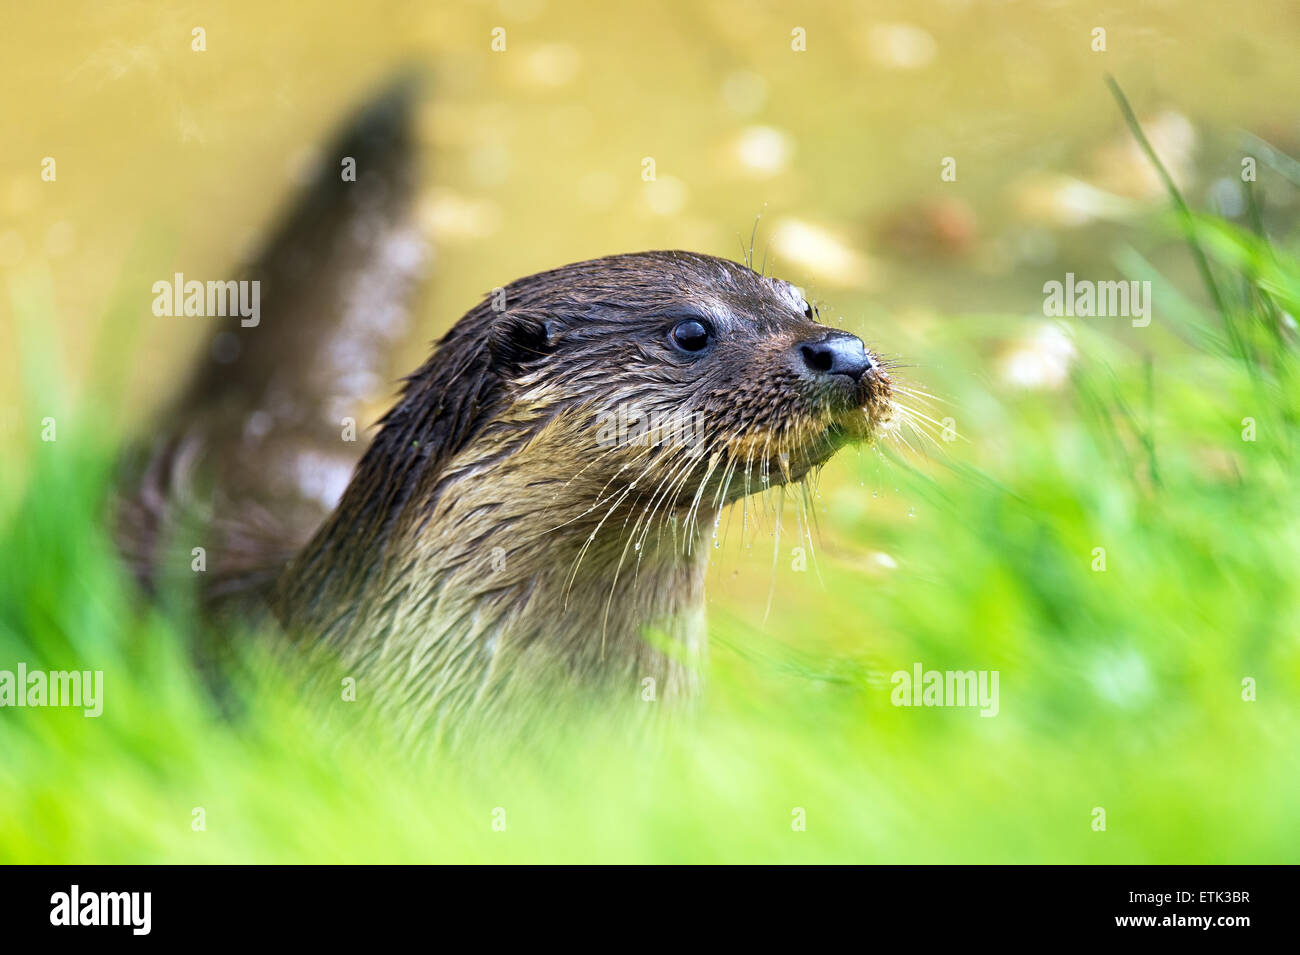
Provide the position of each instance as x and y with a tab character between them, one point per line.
689	365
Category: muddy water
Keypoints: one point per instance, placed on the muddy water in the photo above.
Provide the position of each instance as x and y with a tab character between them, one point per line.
836	123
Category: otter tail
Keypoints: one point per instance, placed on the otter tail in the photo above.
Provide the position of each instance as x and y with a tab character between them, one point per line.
262	441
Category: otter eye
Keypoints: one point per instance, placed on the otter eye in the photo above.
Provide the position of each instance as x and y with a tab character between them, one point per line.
808	311
690	335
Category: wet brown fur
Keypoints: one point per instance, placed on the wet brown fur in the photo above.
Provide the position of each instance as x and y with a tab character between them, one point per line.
490	540
493	543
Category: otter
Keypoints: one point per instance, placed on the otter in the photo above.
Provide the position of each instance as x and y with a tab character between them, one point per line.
498	535
494	533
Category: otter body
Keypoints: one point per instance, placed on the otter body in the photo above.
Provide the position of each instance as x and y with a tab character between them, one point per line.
498	539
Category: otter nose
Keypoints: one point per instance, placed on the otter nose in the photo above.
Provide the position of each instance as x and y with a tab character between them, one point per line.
837	353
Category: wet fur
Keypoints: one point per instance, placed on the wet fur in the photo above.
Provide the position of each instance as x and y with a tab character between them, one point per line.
490	545
488	541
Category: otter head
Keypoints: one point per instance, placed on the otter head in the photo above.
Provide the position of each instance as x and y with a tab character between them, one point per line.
589	404
689	372
571	428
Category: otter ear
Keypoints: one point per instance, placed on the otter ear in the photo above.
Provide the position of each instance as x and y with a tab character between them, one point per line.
518	338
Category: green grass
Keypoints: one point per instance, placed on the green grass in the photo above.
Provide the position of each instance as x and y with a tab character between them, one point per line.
1120	689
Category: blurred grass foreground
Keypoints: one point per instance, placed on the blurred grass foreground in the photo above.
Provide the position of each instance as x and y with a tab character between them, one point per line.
1124	556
